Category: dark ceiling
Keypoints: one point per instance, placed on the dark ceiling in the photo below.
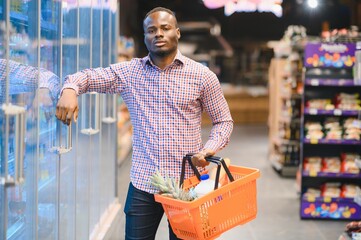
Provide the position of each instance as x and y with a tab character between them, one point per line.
242	26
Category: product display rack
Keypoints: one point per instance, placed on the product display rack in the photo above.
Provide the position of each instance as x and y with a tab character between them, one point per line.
284	118
328	75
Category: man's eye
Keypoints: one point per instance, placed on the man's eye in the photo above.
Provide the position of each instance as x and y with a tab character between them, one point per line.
150	31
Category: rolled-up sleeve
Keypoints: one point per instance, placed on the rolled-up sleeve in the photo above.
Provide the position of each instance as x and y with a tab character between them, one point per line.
216	106
102	80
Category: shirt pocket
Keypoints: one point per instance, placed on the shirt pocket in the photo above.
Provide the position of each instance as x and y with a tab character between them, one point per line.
183	96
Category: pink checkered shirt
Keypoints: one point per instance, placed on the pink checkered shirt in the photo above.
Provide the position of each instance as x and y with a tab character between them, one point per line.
165	106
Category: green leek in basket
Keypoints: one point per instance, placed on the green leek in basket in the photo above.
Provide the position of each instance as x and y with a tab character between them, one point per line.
169	187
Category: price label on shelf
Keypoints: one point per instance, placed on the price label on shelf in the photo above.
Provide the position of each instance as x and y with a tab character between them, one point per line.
337	112
315	82
313	111
313	173
327	199
311	199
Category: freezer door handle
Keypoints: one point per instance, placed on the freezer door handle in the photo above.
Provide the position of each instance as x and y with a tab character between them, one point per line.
109	112
67	147
68	142
18	115
90	114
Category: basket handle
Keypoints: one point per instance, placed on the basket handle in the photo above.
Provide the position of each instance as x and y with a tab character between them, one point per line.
217	160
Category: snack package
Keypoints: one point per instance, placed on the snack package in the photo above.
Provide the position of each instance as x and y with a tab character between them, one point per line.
331	165
345	101
320	104
312	164
312	193
348	163
313	130
348	190
332	190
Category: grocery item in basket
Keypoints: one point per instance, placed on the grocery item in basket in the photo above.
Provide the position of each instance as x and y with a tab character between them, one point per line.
206	185
170	188
213	171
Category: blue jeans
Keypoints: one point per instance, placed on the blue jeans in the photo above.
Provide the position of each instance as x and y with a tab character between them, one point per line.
143	215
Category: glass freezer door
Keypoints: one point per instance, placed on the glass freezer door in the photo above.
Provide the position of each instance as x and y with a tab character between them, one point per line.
18	120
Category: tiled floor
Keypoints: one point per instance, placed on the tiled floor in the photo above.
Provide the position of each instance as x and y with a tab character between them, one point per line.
278	204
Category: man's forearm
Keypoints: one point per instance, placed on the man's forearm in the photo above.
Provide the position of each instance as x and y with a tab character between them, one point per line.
219	136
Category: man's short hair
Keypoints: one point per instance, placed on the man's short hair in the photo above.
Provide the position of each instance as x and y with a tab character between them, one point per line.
161	9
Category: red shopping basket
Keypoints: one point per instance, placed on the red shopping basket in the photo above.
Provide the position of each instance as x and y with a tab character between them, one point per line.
209	216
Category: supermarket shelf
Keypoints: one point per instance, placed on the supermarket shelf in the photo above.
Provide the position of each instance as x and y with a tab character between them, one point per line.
283	170
330	175
332	141
330	208
280	142
330	82
320	81
328	199
335	112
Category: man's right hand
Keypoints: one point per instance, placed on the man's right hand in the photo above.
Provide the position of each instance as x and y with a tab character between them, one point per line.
67	107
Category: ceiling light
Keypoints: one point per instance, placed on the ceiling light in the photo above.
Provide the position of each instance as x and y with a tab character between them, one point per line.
312	3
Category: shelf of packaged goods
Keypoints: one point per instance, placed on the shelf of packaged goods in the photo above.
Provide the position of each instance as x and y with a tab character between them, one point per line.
282	169
330	82
334	112
330	175
332	141
330	208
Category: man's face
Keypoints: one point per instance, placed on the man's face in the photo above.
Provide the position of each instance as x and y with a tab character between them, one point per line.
160	33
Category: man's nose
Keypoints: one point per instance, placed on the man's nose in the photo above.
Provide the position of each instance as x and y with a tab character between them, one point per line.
159	32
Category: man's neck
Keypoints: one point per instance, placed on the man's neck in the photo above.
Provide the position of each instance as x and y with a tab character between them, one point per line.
163	61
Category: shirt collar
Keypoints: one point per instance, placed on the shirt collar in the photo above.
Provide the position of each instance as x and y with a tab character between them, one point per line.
179	58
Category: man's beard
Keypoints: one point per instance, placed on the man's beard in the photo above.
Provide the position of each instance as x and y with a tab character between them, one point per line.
164	53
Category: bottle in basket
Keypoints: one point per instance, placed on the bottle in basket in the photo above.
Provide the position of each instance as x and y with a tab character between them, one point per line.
205	186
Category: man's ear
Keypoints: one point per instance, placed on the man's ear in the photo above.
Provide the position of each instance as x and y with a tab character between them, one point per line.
178	33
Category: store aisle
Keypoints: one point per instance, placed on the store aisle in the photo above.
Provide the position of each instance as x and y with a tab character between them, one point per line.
278	204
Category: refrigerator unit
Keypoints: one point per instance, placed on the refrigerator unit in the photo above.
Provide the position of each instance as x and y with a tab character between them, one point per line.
56	181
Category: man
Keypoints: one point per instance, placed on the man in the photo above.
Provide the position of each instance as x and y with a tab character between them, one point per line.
165	93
